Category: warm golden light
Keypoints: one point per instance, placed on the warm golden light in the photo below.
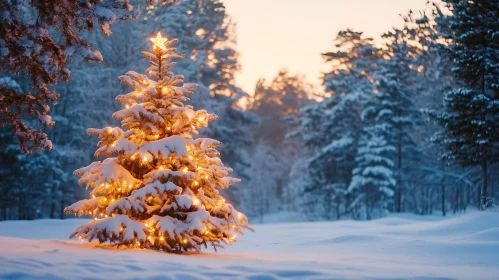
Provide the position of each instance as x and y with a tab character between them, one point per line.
185	169
159	41
156	136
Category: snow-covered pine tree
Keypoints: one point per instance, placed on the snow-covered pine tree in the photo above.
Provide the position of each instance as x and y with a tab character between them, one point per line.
393	113
161	191
471	113
373	178
331	129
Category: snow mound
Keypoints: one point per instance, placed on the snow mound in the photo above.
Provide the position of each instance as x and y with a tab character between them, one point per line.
397	247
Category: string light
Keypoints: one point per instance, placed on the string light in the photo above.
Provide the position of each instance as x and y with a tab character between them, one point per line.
156	136
168	128
109	130
127	106
196	183
185	169
161	238
195	201
184	240
132	157
145	158
93	196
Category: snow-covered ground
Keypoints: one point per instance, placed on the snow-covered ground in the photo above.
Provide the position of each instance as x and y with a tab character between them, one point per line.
399	247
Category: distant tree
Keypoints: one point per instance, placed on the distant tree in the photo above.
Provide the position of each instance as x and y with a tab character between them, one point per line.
373	178
393	112
332	128
273	102
281	97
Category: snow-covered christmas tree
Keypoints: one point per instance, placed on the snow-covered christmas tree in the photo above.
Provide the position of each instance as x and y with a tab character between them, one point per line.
159	187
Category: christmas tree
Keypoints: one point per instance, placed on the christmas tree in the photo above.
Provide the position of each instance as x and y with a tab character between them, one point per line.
161	189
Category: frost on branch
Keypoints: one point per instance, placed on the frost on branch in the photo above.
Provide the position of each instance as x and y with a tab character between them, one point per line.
159	187
38	40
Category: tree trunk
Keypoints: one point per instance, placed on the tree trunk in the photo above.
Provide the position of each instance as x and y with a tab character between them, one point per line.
442	185
399	172
484	185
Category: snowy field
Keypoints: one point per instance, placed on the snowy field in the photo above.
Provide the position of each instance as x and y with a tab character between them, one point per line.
399	247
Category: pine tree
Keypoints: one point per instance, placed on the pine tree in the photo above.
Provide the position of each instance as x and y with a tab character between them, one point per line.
393	112
161	191
373	178
331	129
471	110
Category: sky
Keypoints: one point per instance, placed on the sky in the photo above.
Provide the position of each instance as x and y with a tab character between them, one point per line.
277	34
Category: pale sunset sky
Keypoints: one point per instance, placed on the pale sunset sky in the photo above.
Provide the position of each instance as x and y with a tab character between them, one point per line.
275	34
